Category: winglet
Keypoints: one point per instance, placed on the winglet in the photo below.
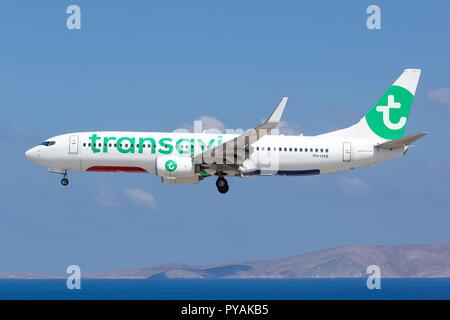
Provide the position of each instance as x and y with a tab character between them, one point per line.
402	142
275	117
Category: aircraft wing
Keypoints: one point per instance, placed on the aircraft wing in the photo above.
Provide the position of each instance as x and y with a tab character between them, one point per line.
238	147
402	142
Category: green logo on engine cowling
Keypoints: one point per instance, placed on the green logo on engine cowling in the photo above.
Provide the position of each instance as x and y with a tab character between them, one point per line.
170	165
389	116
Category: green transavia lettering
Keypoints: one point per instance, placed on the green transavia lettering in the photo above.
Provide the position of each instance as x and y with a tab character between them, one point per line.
140	145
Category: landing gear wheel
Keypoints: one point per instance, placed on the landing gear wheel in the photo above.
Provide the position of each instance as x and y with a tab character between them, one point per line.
222	185
221	182
224	189
64	181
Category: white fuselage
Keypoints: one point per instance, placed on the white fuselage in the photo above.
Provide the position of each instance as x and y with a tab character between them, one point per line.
270	155
190	157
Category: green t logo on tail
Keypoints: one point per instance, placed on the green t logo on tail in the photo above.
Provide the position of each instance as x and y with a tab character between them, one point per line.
389	116
171	166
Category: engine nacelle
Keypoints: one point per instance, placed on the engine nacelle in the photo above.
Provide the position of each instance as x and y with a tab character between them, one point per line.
175	166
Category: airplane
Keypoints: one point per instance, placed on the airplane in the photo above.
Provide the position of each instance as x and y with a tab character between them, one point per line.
188	158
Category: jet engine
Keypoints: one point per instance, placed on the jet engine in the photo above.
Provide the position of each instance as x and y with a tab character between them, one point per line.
175	166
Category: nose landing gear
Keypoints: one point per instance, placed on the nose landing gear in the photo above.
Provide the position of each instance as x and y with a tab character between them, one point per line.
64	180
222	185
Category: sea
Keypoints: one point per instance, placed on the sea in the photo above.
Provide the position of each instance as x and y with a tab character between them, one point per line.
254	289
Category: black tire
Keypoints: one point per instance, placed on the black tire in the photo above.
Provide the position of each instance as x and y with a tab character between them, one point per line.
64	181
224	189
221	183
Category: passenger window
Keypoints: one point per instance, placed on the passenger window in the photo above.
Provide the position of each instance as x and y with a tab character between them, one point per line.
321	150
306	149
285	149
317	150
268	148
290	149
311	150
326	150
257	148
280	149
295	149
84	144
301	149
262	148
89	144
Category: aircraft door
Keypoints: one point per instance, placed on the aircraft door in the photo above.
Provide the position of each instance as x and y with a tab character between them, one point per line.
73	145
347	152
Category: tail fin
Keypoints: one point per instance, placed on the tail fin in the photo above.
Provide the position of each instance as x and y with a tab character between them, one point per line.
388	117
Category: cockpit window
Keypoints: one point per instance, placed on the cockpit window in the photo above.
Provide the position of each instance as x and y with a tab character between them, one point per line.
47	143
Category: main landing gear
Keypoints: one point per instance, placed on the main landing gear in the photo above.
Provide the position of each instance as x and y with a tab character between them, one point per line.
64	180
222	185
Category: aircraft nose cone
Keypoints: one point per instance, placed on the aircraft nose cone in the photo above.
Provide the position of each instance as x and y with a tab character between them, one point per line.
31	154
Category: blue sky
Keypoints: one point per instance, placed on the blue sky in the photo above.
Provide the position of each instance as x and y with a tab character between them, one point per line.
159	65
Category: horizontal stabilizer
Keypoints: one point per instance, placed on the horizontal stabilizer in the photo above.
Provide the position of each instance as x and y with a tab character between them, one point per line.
402	142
